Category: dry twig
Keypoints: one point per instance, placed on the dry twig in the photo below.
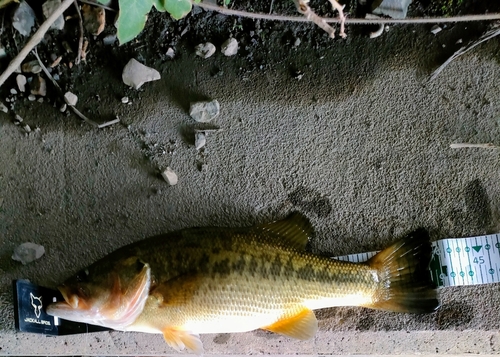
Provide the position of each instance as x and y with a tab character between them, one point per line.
487	36
80	40
73	108
35	40
480	146
353	21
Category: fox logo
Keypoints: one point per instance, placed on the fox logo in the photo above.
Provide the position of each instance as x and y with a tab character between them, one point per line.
36	302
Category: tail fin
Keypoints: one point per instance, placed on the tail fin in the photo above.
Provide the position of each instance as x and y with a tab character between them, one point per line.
403	272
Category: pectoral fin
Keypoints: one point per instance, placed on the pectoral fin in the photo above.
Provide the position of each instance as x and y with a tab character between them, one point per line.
301	326
179	339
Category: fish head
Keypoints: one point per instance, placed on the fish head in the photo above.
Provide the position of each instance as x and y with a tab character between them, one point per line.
109	294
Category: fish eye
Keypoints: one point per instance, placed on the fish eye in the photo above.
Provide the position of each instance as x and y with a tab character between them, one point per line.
139	265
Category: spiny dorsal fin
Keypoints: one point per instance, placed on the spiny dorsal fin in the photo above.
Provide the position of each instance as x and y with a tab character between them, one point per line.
301	326
295	230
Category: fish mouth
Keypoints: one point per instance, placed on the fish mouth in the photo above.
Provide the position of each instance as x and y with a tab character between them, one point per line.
70	309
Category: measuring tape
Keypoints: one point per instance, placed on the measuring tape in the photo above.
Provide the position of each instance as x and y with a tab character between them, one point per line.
458	261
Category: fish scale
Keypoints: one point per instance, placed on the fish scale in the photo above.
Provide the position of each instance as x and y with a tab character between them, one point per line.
304	280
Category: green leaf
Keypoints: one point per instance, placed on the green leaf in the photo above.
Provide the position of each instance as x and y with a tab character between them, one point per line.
160	6
178	8
132	18
104	2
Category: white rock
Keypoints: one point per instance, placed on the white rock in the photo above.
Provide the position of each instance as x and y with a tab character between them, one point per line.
204	112
170	176
230	47
27	128
435	29
28	252
23	19
109	40
31	97
199	140
13	91
205	50
31	67
396	9
21	82
48	8
63	107
70	98
3	108
124	100
135	74
170	52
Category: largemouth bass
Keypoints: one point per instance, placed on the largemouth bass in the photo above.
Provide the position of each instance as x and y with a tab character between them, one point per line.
225	280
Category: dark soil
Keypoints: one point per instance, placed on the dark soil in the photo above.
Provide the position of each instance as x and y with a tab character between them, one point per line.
263	45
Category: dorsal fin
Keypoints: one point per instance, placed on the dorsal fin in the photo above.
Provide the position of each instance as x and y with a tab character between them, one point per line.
295	230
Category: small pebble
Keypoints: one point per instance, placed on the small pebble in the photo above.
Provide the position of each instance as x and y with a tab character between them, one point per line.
49	7
205	50
199	140
38	86
13	91
170	176
18	118
27	128
3	108
70	98
28	252
109	40
94	19
230	47
31	67
135	74
63	107
435	29
31	98
23	18
40	100
21	82
204	112
170	53
125	100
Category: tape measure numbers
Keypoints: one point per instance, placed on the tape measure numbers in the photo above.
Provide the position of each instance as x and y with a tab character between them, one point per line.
458	261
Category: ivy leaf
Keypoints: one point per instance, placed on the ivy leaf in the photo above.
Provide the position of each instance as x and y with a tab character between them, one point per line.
177	8
132	18
160	5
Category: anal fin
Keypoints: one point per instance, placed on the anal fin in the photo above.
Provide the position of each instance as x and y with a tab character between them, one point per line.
301	326
180	339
